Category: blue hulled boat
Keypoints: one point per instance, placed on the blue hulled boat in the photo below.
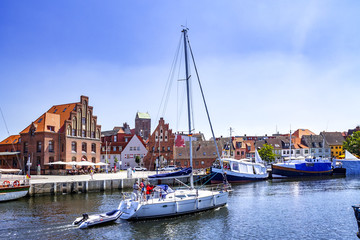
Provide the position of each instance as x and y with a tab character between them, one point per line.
302	168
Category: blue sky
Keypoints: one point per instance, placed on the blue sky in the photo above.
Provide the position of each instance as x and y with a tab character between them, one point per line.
264	65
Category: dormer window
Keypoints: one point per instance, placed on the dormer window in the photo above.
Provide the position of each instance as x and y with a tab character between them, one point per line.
51	128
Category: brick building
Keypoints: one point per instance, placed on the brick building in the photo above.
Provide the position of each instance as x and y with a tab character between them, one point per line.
204	154
10	152
161	143
143	125
120	148
67	132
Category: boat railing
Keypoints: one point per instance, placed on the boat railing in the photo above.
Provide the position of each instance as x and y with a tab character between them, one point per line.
173	196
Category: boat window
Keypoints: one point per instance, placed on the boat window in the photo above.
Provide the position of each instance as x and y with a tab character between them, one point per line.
180	196
235	166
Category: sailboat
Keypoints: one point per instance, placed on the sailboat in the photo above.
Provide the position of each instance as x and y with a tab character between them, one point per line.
165	201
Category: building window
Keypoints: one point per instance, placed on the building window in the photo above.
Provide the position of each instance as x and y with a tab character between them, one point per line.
202	162
26	147
83	133
73	132
196	163
163	148
138	148
83	121
120	148
73	159
51	146
168	148
51	128
115	138
83	147
93	160
38	146
204	153
114	148
126	139
68	132
153	149
297	151
73	146
93	147
306	151
180	154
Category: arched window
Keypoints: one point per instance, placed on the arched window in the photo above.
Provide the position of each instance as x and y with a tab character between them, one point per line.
98	134
68	131
74	126
93	147
93	160
73	159
78	127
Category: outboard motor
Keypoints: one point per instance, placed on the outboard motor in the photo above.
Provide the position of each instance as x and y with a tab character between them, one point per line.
85	217
357	216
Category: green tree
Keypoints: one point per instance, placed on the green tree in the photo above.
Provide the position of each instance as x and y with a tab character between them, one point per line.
352	143
267	153
116	160
137	159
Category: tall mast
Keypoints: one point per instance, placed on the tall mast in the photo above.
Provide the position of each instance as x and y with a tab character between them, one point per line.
189	104
290	145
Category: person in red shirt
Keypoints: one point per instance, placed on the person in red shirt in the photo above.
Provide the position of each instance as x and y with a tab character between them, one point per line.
149	190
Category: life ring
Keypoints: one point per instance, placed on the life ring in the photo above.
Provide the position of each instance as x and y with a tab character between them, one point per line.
6	183
16	183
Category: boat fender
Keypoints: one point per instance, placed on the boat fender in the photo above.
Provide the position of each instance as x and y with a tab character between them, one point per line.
6	183
16	183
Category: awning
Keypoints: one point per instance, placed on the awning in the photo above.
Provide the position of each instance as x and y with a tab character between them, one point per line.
57	163
85	163
9	153
101	164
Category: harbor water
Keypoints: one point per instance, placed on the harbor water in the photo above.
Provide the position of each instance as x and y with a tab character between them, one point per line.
274	209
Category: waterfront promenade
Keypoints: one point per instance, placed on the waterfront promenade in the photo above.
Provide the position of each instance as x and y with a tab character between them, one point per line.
66	184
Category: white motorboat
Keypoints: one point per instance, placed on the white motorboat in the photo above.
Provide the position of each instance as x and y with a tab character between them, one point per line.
96	219
166	202
238	171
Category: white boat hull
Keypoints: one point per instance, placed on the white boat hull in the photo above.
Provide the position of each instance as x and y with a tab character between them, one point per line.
12	193
172	206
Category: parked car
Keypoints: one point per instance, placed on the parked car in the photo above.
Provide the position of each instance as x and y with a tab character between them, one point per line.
138	168
169	168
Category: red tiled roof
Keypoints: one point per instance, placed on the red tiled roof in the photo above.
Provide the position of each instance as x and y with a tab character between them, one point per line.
13	139
52	116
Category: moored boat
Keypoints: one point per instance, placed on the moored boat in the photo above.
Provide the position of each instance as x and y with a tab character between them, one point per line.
11	190
238	171
302	168
357	216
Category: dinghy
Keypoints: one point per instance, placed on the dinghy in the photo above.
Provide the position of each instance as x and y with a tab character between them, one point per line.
91	220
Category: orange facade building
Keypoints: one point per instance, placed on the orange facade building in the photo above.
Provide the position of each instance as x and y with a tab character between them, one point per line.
66	132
